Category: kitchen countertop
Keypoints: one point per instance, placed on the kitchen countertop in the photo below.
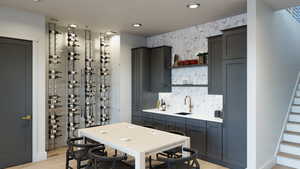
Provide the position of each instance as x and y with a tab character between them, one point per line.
197	116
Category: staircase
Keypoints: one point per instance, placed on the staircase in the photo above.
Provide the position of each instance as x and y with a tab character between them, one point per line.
289	148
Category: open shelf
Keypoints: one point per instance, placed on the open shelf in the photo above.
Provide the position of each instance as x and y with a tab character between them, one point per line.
188	66
189	85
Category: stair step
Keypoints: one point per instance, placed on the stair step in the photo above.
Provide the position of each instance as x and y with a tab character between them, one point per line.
291	136
297	100
290	148
293	126
294	117
288	160
296	108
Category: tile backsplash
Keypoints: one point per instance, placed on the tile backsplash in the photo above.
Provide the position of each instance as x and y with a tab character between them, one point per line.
187	43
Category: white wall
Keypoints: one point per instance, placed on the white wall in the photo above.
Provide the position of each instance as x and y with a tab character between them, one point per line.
24	25
277	64
121	82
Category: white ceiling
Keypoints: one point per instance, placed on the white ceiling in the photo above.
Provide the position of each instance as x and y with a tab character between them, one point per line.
283	4
157	16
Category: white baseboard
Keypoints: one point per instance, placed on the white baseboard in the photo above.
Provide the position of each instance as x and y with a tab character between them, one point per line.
269	164
40	156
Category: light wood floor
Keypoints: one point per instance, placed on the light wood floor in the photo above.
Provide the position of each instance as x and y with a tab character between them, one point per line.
56	160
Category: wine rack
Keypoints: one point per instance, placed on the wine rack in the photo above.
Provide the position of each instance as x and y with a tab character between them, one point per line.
79	80
73	84
104	88
54	99
90	83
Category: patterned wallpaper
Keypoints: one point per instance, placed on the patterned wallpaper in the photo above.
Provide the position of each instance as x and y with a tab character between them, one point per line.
187	43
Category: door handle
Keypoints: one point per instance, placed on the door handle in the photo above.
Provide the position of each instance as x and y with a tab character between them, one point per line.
28	117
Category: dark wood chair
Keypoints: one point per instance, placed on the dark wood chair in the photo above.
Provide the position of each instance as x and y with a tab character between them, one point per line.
189	162
100	160
175	152
78	150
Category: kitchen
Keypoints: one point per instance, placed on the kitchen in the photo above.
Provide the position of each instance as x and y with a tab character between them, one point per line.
191	98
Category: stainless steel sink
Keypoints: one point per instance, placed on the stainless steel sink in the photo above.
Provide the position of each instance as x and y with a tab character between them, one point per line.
183	113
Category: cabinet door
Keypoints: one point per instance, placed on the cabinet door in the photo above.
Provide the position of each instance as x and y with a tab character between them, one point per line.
235	112
214	140
235	43
176	124
161	69
135	91
196	130
159	121
215	75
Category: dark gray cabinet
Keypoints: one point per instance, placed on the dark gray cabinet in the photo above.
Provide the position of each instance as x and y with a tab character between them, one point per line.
214	141
142	97
176	124
159	122
235	43
196	130
235	113
215	60
161	69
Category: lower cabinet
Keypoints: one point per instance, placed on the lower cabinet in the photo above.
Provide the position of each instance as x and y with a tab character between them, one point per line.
196	130
206	136
214	140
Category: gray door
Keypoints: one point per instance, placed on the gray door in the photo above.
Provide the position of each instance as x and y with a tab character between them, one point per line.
235	113
15	102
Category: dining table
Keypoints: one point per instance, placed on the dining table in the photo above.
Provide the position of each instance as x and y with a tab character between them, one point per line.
134	140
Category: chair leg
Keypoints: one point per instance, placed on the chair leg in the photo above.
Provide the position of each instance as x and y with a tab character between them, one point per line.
150	162
67	160
78	164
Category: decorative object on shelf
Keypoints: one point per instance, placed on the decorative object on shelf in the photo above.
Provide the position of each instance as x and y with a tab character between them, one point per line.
54	100
202	58
176	59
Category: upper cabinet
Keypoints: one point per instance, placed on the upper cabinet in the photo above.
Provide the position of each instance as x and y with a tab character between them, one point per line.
215	59
160	68
235	43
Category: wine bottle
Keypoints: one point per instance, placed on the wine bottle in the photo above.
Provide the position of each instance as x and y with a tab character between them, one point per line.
72	105
104	73
72	86
103	61
54	57
54	106
54	126
72	72
104	107
72	114
54	116
103	69
56	61
73	54
104	98
73	96
89	59
70	34
51	76
54	32
54	131
88	68
73	109
54	97
72	58
54	72
53	121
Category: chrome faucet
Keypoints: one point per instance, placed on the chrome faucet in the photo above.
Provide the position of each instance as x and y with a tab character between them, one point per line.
188	100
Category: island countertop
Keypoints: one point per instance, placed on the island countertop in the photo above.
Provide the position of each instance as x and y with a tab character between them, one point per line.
197	116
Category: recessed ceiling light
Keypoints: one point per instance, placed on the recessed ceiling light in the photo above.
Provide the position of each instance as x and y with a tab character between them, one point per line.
36	0
193	5
110	33
137	25
73	26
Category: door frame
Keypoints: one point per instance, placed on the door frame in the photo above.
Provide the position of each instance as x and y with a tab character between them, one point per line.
39	94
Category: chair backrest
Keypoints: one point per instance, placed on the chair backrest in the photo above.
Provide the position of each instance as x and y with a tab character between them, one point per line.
189	162
80	143
100	158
